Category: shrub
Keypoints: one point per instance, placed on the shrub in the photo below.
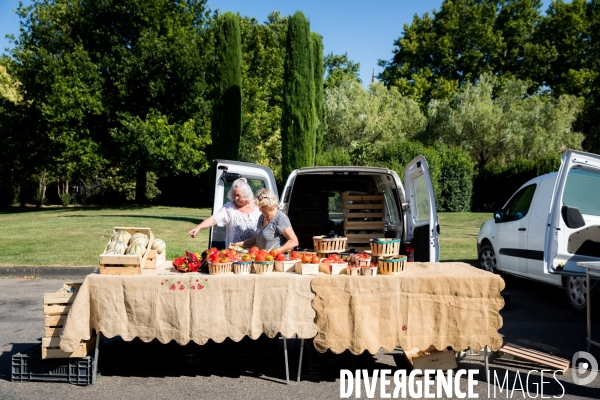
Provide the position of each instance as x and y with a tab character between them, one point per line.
65	199
455	180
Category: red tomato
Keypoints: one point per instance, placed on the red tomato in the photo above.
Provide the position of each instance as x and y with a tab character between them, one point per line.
295	255
306	259
254	250
246	257
213	250
315	260
260	257
232	252
274	252
263	251
280	257
336	257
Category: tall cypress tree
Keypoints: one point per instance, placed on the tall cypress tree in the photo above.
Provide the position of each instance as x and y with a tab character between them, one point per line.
227	102
317	42
297	114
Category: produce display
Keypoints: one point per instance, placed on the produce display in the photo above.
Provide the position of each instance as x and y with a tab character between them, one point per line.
260	261
123	243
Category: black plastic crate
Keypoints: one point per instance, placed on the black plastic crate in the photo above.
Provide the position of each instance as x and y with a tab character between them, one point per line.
29	366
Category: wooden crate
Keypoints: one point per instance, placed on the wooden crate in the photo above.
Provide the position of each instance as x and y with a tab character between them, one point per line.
126	264
334	245
155	259
522	353
434	359
364	218
56	309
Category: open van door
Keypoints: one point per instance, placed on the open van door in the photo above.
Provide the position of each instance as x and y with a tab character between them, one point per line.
258	176
573	228
422	228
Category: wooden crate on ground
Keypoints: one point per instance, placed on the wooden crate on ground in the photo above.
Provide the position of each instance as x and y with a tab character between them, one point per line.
432	359
126	264
56	309
364	218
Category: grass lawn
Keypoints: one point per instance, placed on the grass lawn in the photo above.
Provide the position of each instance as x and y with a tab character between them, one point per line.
75	236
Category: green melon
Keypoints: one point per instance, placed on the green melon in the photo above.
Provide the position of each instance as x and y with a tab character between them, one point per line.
159	245
118	246
121	236
138	235
112	253
135	248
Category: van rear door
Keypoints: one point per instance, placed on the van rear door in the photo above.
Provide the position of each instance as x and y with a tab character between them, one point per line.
258	176
573	229
422	226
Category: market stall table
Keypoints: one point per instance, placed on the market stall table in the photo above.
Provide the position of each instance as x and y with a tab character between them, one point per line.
430	304
169	305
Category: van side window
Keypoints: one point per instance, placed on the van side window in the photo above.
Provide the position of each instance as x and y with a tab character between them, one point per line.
582	190
518	206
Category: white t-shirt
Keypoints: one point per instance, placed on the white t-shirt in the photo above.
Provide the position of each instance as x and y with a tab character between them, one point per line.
238	226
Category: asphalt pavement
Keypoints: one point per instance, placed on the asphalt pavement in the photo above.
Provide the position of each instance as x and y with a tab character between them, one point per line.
537	316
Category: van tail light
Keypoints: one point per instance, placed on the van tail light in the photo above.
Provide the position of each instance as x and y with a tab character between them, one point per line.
410	254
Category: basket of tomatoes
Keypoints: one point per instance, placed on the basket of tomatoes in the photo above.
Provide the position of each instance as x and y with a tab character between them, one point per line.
333	265
362	260
287	263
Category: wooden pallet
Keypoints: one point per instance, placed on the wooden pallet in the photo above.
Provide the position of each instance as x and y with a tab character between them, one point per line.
521	353
364	218
56	309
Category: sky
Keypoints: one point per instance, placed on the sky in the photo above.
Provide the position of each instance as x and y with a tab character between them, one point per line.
365	30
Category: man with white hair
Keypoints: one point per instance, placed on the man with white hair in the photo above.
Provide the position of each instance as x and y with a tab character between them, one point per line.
239	216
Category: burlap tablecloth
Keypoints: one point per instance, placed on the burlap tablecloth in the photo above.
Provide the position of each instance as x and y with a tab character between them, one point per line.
439	304
168	305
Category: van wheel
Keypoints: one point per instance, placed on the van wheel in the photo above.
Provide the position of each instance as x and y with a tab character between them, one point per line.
576	292
487	258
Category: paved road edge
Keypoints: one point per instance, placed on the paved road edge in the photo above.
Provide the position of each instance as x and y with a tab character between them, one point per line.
47	272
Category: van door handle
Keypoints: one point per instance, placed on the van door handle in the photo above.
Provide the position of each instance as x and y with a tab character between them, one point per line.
522	229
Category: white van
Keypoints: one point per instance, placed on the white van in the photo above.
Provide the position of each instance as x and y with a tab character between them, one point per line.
312	199
550	223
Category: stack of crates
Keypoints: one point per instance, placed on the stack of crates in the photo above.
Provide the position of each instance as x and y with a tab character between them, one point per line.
56	310
49	363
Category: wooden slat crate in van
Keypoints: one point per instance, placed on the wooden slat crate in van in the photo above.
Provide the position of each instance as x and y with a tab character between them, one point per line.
126	264
364	218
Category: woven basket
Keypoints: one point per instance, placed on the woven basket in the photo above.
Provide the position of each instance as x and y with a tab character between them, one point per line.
369	271
242	267
391	266
333	245
286	266
219	268
385	247
263	267
355	271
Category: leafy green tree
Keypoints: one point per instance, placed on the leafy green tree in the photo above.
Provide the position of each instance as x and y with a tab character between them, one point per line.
88	68
569	33
263	51
504	127
319	92
227	98
439	52
339	68
362	121
297	119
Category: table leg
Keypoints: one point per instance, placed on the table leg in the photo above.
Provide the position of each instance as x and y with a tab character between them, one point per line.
486	355
300	362
287	370
96	353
